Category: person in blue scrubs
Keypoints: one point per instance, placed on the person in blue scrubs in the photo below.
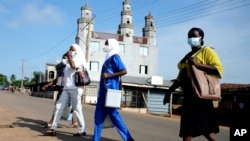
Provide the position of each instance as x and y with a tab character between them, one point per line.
112	70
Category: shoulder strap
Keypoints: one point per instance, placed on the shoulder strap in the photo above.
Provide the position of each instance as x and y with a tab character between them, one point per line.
191	53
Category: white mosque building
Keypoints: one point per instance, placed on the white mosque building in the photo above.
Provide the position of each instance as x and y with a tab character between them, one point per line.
140	55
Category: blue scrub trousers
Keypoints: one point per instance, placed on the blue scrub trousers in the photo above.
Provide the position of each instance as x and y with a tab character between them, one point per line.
100	114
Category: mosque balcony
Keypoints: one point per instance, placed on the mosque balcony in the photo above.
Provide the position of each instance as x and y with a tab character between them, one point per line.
126	26
126	13
84	20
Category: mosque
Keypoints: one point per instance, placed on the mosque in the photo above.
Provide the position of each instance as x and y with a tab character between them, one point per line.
140	55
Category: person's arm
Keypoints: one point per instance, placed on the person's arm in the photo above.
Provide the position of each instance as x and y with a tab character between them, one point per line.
172	88
119	73
80	70
47	85
207	68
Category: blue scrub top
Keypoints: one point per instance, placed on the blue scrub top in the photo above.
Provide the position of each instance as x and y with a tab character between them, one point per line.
111	65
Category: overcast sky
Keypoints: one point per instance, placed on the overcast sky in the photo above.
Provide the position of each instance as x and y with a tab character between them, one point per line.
36	32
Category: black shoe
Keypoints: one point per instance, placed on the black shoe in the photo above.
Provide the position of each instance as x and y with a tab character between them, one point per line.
131	139
51	132
79	134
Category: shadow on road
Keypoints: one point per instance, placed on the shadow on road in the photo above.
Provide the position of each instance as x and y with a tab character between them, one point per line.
35	125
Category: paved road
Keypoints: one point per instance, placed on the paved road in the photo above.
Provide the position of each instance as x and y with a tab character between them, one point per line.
26	113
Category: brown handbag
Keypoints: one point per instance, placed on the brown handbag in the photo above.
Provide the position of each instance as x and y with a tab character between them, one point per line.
205	86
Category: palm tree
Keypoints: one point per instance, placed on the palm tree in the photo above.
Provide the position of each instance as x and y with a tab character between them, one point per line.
12	78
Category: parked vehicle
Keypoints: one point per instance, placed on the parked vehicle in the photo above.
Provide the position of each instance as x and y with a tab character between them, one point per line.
6	88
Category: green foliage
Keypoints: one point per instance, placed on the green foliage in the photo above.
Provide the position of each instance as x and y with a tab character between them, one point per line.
17	83
35	73
26	80
12	78
3	80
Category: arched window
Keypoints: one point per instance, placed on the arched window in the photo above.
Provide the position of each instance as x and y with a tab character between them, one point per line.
128	22
151	24
51	75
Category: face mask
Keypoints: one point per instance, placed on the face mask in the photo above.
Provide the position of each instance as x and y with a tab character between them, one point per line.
194	42
106	49
73	54
64	61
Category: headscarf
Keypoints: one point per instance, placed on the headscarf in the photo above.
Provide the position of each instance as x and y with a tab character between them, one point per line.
113	47
80	56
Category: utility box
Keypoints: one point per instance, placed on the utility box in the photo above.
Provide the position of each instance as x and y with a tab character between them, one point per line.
156	80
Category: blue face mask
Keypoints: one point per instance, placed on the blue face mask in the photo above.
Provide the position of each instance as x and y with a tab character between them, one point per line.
194	42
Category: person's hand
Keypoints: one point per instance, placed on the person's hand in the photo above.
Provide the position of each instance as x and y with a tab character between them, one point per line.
192	60
44	87
69	53
105	75
166	98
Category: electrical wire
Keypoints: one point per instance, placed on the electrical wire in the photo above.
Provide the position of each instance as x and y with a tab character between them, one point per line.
165	19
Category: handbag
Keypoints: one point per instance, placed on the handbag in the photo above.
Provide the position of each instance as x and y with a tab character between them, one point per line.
205	86
82	81
113	98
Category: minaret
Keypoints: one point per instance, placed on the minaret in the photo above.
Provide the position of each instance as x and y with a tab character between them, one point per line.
149	29
85	25
126	27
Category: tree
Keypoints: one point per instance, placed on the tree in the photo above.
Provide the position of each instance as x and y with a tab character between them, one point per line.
17	83
3	80
12	78
26	80
35	74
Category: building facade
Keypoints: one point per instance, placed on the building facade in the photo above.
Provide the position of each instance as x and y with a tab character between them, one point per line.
142	88
140	54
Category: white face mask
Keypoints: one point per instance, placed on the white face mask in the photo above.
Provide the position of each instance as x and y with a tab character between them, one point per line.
194	41
106	49
64	61
73	54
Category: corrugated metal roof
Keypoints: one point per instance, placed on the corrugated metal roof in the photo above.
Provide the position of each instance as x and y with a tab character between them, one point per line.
143	81
234	86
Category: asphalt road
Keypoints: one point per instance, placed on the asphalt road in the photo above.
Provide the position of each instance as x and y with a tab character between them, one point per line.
26	113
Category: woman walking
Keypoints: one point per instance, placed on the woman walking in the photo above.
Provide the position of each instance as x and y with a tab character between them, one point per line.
76	62
112	70
198	115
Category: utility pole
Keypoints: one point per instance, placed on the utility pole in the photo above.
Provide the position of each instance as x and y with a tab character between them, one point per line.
87	54
22	76
87	44
87	40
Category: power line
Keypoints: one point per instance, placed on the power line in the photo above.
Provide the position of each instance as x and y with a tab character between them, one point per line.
201	16
54	47
164	19
214	9
196	11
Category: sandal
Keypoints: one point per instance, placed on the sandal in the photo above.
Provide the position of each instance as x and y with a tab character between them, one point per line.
75	125
46	125
51	132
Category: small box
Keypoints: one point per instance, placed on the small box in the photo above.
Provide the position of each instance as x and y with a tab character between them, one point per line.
113	98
